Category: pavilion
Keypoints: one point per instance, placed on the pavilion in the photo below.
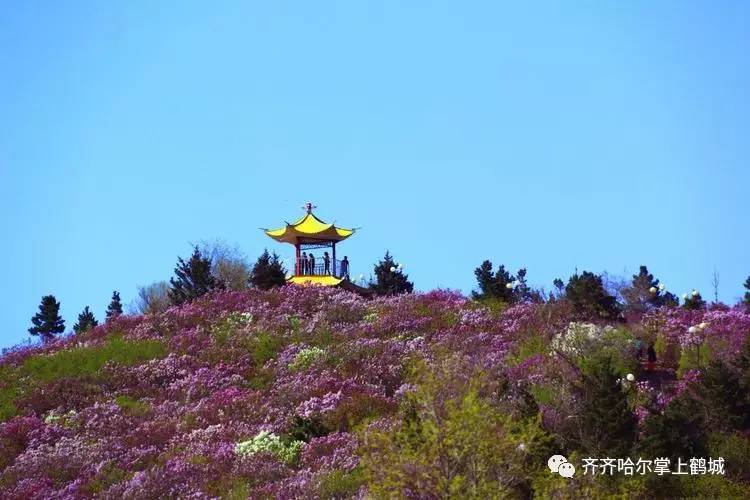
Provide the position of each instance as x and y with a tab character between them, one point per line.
311	233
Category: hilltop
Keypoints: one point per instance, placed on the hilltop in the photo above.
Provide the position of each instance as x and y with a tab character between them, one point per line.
304	392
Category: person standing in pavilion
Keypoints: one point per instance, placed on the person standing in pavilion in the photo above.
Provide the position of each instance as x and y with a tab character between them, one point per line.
311	264
303	263
345	268
326	263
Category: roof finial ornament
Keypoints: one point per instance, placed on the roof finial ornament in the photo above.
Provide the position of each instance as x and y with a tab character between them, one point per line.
309	207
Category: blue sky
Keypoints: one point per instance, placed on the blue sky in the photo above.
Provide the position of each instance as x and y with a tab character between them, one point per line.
551	135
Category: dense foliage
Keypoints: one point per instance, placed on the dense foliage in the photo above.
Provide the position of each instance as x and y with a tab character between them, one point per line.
268	272
192	279
589	298
306	392
494	284
47	322
390	278
86	321
114	308
646	292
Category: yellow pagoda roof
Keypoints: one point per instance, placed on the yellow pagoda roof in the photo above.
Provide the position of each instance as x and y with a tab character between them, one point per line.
309	229
325	280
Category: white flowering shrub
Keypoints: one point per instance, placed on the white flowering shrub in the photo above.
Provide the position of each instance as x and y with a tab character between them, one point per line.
266	441
306	357
576	338
584	340
60	419
371	317
231	325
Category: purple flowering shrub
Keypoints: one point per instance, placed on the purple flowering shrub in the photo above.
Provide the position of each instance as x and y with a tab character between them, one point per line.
297	393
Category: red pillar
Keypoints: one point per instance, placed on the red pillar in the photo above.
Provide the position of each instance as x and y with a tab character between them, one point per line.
334	258
297	270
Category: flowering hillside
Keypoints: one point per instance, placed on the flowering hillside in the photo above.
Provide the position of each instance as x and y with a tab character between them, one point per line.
318	393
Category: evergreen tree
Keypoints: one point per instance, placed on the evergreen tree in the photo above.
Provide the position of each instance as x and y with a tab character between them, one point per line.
47	322
485	281
390	279
668	299
725	393
86	321
589	298
646	292
678	431
268	272
607	425
694	301
522	291
747	294
193	279
494	284
114	308
559	286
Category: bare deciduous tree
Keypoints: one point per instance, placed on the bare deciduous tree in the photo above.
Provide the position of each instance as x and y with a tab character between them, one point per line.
228	263
151	299
715	284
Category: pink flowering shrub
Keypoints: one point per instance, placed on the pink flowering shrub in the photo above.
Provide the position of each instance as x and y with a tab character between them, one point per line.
155	406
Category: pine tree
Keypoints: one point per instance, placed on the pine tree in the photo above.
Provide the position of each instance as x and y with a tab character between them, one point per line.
86	321
747	294
559	286
494	284
645	292
485	281
694	301
193	279
389	278
523	293
114	308
589	298
607	424
47	322
268	272
725	394
678	431
669	300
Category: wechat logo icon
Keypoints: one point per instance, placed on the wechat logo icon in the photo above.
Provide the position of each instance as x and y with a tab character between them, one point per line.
560	465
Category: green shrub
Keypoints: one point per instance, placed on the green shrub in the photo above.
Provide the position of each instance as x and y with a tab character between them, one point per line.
341	484
304	429
677	432
710	486
132	406
305	358
8	392
536	344
459	447
733	448
496	306
265	347
88	360
71	363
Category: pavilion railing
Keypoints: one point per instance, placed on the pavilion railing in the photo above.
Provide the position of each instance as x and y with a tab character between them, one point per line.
320	268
